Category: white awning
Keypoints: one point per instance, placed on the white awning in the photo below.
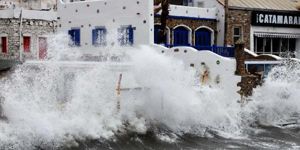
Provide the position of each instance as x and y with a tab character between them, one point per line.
277	35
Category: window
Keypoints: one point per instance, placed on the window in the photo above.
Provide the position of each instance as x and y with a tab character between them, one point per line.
276	46
292	45
237	34
3	45
254	68
26	44
126	35
283	47
268	46
74	37
99	37
259	45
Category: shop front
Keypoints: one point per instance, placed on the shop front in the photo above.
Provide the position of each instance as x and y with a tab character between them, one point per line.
276	33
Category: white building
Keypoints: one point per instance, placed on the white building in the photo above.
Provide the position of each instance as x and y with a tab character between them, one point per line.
95	24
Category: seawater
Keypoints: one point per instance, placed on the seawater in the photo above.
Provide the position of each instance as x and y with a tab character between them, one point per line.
59	105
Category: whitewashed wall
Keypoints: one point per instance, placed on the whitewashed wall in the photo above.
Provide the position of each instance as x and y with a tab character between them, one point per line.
221	23
195	12
112	14
225	69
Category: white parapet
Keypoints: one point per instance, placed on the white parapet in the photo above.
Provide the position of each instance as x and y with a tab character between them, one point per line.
192	12
28	14
220	70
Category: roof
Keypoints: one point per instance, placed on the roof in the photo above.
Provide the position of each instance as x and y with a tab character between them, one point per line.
287	5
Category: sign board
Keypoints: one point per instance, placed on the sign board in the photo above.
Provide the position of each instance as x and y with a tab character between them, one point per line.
276	19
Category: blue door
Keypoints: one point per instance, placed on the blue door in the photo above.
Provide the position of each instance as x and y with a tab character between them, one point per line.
202	38
126	35
75	37
99	37
181	36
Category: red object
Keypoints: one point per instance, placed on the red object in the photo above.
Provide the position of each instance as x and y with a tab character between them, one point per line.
43	47
26	43
4	44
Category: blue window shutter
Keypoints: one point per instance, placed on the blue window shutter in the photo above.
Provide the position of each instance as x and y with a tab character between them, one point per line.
130	35
71	36
74	36
126	35
103	36
70	33
99	37
77	37
94	36
121	36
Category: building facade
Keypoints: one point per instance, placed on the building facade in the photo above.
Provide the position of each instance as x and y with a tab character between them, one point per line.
272	27
90	28
252	21
23	31
189	26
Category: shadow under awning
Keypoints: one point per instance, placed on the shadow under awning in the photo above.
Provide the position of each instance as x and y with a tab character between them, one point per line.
277	35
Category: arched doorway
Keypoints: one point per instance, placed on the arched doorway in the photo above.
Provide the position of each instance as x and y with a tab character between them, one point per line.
203	38
181	36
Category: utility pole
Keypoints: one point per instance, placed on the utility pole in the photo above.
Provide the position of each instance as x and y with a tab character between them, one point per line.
226	22
163	20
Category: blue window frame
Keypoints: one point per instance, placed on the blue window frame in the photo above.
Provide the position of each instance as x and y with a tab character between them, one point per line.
126	35
75	37
99	36
181	36
203	38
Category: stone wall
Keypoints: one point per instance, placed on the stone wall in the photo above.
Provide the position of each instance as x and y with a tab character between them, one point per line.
193	24
239	18
33	28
